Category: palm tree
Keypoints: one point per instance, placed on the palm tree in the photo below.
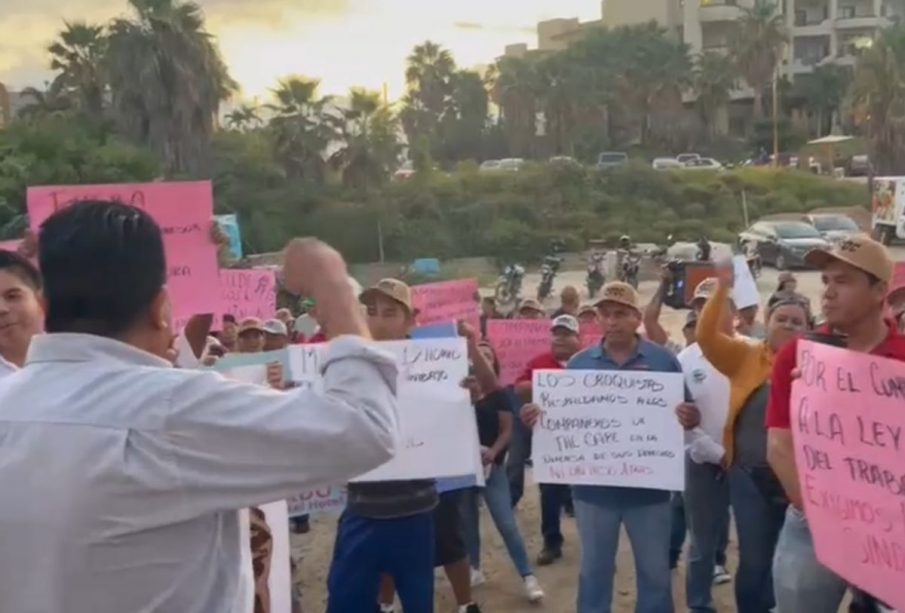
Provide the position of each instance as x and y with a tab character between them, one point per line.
167	80
714	79
758	47
51	101
822	91
303	127
244	117
370	141
517	93
878	99
78	56
429	69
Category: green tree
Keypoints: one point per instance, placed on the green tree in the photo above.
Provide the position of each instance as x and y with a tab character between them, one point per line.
463	125
823	92
758	47
54	100
243	118
167	80
78	56
516	92
370	144
878	99
714	80
303	127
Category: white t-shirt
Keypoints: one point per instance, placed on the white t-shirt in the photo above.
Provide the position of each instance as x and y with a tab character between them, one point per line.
710	390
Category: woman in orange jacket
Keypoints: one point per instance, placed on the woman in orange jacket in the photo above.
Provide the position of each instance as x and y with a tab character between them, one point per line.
756	497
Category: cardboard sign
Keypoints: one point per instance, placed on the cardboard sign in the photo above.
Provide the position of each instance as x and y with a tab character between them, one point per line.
848	426
184	212
744	290
330	500
248	293
447	301
517	342
616	428
437	421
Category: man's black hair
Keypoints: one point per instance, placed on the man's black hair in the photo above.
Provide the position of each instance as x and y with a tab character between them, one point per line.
103	265
19	266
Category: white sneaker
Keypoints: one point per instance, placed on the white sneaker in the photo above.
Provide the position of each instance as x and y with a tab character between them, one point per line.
477	577
721	575
532	589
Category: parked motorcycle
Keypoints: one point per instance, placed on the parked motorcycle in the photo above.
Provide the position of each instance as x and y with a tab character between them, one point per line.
628	265
596	277
509	285
548	272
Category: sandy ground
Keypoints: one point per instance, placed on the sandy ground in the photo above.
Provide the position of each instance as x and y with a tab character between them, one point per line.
502	591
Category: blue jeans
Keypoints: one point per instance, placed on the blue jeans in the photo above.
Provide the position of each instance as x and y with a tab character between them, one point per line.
367	548
802	584
553	499
707	513
758	521
678	528
519	452
496	496
599	516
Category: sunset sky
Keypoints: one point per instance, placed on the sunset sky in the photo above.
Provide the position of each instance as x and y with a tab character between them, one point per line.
342	42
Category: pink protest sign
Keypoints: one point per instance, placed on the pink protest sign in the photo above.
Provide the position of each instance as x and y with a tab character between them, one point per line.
847	423
516	342
185	213
447	301
248	293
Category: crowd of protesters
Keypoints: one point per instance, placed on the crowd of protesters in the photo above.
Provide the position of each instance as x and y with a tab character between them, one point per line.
122	475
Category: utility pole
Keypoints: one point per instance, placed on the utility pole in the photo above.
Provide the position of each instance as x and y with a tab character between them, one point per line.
776	116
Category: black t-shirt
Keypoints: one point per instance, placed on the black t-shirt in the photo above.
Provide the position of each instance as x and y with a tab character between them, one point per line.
488	411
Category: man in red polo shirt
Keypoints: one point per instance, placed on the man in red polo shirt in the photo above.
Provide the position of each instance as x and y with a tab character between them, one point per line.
553	498
856	275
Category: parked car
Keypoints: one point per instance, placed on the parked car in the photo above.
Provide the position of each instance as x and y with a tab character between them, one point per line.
859	166
511	164
833	227
666	164
405	172
489	165
704	164
684	158
565	160
611	159
782	244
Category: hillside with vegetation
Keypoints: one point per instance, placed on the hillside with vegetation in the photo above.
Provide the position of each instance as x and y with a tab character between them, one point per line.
138	99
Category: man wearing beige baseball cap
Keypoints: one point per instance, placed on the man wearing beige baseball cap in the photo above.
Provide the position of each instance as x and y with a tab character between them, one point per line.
600	511
856	276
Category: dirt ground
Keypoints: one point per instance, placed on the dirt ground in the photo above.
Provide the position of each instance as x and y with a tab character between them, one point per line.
502	591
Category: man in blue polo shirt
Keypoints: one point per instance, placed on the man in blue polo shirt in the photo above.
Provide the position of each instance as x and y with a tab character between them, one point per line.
601	510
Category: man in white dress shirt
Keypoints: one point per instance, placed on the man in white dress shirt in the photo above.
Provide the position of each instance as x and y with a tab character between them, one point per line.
121	475
21	314
706	496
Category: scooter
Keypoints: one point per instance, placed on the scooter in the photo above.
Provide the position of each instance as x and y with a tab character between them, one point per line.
596	277
547	274
629	266
509	285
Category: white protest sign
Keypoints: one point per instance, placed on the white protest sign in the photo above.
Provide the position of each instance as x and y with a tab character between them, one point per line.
744	290
616	428
436	417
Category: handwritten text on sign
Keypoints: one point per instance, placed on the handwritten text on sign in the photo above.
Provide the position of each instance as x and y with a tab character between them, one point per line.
615	428
184	212
848	421
446	301
436	418
516	342
323	500
248	293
